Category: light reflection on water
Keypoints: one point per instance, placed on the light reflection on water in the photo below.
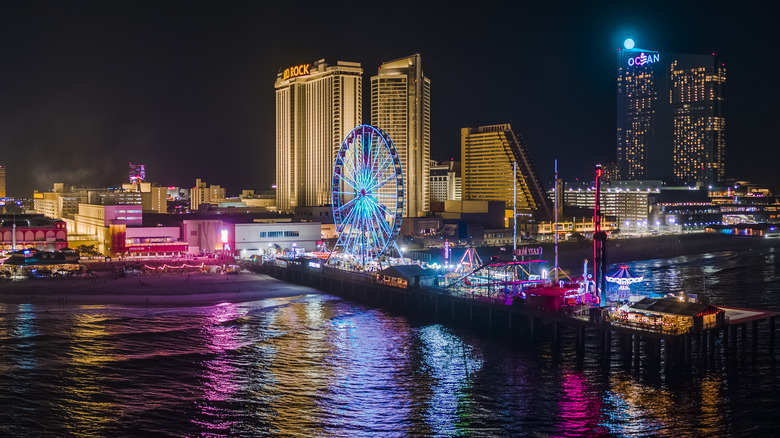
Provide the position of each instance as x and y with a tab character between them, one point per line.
316	365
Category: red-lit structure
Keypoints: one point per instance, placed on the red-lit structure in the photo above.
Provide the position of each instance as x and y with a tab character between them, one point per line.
32	231
599	243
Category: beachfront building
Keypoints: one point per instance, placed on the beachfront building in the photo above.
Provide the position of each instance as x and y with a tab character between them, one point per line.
244	240
32	231
317	105
671	122
152	242
489	154
401	106
629	202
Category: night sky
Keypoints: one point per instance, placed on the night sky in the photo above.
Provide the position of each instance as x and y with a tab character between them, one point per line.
187	87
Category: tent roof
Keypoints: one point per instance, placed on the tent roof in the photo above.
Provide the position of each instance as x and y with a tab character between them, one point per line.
405	271
669	306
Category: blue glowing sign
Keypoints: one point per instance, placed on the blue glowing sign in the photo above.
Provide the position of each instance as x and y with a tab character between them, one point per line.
643	59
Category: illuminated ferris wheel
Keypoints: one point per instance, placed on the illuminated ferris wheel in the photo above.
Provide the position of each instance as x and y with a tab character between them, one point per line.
368	194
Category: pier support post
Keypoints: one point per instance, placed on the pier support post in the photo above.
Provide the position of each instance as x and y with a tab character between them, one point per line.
744	334
733	336
556	327
453	309
755	334
636	349
580	338
471	315
490	319
436	307
772	332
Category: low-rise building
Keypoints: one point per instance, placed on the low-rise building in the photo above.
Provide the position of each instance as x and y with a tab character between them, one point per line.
32	231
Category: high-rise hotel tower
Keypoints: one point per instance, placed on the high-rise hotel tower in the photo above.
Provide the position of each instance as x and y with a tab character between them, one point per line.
401	106
317	105
3	194
489	154
671	121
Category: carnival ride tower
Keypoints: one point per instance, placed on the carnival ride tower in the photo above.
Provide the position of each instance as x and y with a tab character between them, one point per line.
599	243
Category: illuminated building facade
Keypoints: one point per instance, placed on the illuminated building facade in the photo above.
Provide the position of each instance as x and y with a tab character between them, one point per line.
445	181
401	106
33	231
317	105
3	193
137	173
629	202
488	154
203	194
671	121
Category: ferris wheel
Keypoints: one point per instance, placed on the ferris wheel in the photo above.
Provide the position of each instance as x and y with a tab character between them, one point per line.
368	194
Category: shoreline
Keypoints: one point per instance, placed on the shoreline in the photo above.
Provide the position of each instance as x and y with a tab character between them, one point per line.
167	289
201	289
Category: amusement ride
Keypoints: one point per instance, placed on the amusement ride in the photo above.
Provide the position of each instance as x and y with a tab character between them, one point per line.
367	196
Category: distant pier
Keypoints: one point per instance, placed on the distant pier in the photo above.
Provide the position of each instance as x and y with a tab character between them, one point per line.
744	328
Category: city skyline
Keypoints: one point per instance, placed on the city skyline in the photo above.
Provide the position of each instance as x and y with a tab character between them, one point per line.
187	92
671	116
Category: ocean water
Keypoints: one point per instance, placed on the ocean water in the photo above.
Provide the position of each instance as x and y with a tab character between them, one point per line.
318	365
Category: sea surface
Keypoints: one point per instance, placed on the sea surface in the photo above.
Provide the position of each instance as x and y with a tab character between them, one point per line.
318	365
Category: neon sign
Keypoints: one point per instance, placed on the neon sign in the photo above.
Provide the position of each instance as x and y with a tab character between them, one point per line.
295	71
526	251
643	59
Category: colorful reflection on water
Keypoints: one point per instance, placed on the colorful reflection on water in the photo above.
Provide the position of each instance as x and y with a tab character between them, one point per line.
316	365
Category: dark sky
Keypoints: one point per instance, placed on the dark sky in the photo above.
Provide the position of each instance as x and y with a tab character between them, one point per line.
187	87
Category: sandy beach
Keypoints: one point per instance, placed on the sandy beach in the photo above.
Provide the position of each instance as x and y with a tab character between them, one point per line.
168	289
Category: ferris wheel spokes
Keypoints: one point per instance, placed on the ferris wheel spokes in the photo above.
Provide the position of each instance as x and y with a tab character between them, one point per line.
367	194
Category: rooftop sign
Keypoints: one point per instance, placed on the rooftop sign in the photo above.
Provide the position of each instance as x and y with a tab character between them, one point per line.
643	59
295	71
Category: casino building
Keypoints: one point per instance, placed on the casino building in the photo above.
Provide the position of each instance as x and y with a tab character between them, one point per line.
489	154
671	123
317	105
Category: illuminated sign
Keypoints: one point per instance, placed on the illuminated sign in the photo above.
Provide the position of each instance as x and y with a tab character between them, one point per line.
643	59
526	251
298	70
224	236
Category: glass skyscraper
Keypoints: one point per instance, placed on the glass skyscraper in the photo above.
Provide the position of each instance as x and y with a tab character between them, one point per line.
671	121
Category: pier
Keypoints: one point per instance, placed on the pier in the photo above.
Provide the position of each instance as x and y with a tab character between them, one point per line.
743	328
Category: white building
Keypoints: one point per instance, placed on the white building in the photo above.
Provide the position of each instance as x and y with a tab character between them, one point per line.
630	202
401	106
445	181
317	105
280	238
